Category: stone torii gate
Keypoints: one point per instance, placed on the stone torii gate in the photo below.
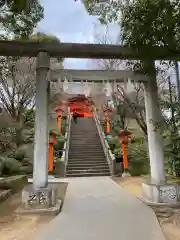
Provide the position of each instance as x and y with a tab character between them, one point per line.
155	144
156	190
91	77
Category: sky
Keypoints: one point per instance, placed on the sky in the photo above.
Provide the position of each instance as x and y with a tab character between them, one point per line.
70	22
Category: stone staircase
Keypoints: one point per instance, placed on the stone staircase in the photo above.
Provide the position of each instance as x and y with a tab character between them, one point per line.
86	156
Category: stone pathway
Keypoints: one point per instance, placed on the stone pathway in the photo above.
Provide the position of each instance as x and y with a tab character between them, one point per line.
97	208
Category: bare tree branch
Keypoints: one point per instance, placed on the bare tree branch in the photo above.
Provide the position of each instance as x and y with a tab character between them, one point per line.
17	85
102	35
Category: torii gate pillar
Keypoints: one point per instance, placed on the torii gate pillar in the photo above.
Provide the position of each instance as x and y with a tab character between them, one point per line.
39	197
157	189
40	167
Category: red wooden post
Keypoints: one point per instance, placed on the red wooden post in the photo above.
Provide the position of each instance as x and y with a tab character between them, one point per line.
107	113
59	123
59	112
51	156
52	141
123	136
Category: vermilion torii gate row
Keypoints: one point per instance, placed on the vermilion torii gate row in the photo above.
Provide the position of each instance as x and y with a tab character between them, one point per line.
44	50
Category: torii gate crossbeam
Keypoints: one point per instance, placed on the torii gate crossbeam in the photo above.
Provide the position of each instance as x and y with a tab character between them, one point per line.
97	75
83	50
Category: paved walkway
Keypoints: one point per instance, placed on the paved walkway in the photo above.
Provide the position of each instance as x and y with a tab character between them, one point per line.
98	209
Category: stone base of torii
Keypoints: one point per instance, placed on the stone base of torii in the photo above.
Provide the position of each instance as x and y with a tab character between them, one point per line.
39	197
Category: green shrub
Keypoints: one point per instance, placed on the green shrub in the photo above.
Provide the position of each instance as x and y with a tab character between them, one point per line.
59	143
172	153
55	130
113	143
9	166
26	170
6	138
63	128
19	155
138	159
118	153
28	117
28	135
138	140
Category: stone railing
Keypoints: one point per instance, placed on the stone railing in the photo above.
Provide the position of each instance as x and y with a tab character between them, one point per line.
108	154
67	137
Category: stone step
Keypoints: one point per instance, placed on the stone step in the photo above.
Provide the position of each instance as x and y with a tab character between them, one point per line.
87	171
94	144
80	132
84	167
84	128
89	140
93	140
88	162
84	162
86	158
90	131
88	128
87	165
87	174
85	146
89	151
85	137
84	150
85	133
86	153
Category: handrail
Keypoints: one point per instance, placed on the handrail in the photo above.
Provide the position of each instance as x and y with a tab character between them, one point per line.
67	137
107	151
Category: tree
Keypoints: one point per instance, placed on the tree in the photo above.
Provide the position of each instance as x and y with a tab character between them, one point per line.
17	90
17	6
40	36
102	35
119	120
147	23
17	79
134	103
143	23
20	17
17	87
